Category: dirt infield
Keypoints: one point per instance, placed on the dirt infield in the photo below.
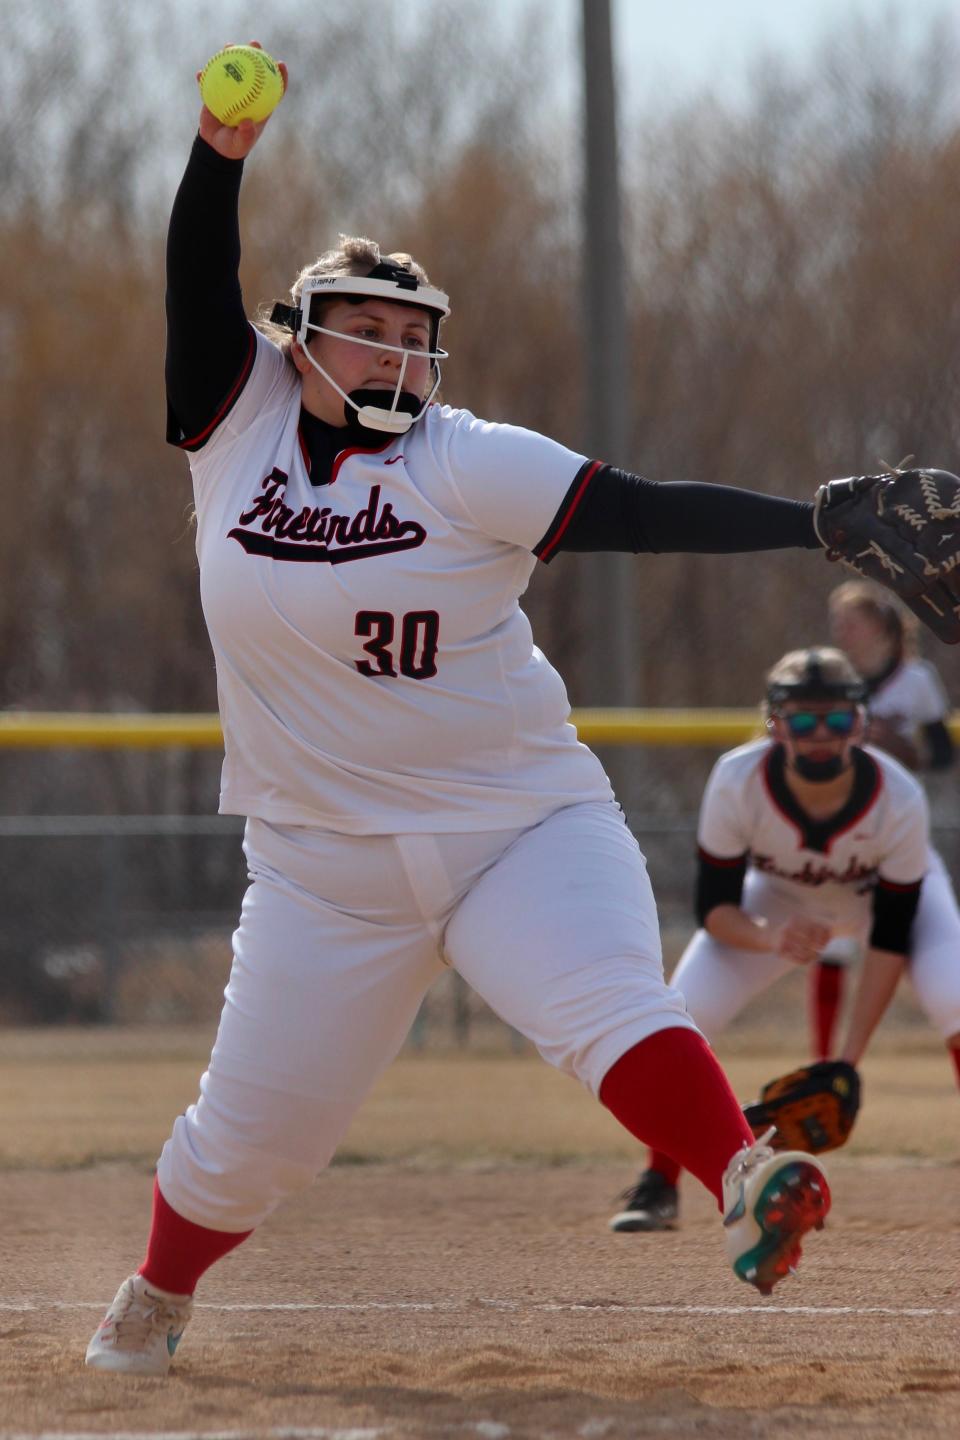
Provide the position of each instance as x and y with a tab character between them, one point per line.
454	1275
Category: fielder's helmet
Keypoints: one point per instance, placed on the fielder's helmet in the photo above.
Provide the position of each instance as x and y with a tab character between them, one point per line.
808	678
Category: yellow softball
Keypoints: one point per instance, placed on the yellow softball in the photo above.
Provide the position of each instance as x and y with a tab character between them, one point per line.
241	83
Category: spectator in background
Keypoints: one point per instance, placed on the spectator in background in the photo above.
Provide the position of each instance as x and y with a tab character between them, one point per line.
907	711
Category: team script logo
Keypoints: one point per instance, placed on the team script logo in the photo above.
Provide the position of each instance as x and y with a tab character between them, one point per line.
270	527
855	872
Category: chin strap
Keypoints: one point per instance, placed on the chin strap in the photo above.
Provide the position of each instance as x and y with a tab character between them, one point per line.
364	408
288	317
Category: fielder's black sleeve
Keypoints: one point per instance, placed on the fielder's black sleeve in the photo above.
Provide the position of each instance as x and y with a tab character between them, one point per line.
894	907
939	742
210	345
719	882
610	509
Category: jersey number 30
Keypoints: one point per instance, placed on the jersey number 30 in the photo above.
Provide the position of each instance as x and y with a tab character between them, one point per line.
419	637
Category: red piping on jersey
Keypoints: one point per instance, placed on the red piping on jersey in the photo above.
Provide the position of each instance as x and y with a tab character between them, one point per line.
717	860
571	509
356	450
230	401
906	889
303	449
868	804
765	776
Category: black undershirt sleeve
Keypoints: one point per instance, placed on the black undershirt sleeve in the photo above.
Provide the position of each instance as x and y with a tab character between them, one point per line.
611	509
939	745
719	882
894	907
208	336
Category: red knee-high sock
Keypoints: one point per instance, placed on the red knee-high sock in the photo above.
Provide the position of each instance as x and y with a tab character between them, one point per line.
178	1251
665	1165
670	1092
955	1057
826	996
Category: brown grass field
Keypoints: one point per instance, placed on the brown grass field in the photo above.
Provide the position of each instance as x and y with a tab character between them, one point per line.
453	1274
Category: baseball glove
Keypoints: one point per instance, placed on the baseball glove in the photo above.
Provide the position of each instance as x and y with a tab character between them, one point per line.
901	529
813	1108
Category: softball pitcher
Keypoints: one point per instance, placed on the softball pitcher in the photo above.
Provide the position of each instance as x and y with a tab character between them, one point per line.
415	794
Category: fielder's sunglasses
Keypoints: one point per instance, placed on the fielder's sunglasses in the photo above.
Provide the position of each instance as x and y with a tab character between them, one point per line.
803	723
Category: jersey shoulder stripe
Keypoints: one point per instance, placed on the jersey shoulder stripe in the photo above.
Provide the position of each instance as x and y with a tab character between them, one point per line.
196	442
547	547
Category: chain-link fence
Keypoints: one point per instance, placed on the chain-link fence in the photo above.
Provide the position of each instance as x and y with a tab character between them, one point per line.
127	920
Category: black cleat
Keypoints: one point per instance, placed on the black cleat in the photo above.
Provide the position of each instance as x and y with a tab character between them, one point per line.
651	1204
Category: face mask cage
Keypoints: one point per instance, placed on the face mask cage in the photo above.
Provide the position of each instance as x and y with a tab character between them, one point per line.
813	686
389	281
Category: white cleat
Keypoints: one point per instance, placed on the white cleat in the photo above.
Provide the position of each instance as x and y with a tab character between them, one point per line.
140	1331
770	1200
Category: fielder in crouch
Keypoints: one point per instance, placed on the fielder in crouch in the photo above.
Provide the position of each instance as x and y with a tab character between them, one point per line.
804	839
415	796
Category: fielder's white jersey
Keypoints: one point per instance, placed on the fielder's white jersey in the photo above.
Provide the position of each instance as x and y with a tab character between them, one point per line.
375	671
824	870
910	697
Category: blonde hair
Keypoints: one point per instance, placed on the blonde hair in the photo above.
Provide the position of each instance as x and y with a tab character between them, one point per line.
898	624
354	255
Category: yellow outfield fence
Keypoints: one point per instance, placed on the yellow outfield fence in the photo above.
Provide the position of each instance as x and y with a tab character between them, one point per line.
48	729
39	729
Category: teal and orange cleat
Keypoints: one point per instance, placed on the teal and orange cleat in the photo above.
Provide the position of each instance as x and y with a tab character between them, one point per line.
770	1201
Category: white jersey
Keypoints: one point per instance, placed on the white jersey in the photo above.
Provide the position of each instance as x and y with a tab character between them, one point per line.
375	671
910	697
825	870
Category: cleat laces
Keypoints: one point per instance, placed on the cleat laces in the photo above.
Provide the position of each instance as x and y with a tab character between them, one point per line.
742	1163
145	1317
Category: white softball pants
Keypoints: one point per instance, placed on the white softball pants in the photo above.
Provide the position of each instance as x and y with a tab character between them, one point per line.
718	981
339	938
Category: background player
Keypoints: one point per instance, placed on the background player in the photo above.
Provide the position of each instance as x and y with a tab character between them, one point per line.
907	706
908	712
804	837
415	796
